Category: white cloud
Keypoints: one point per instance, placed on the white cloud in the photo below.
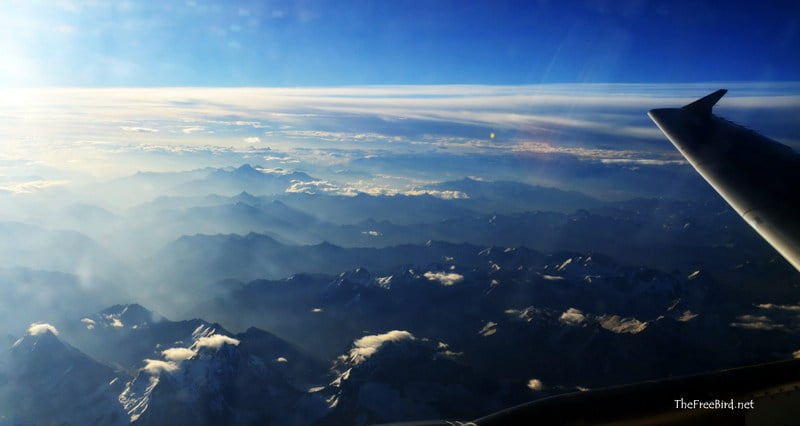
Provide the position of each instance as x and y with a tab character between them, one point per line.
372	233
135	129
572	316
445	278
252	139
38	328
156	367
603	155
548	119
274	171
535	385
281	360
89	323
193	129
366	346
756	322
31	186
619	325
283	159
214	341
178	354
770	306
318	187
351	190
203	338
445	195
340	136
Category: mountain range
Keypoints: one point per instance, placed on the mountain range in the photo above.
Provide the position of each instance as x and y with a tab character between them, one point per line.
350	305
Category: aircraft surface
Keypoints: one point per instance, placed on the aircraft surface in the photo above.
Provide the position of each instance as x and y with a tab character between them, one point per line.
756	175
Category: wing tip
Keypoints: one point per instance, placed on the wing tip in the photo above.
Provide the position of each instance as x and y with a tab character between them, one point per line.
706	103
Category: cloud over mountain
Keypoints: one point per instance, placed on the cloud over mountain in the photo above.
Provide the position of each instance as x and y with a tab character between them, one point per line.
38	328
366	346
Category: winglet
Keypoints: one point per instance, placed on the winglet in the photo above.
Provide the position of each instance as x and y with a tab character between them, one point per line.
704	104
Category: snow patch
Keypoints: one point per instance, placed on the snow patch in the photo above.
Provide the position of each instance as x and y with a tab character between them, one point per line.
384	282
488	329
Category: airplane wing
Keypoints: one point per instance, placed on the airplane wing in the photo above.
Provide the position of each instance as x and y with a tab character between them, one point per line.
757	176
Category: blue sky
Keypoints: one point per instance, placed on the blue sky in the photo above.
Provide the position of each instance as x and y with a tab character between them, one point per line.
102	89
334	43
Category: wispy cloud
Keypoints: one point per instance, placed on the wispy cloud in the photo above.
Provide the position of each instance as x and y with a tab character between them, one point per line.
770	307
27	187
193	129
135	129
602	123
366	346
178	354
756	322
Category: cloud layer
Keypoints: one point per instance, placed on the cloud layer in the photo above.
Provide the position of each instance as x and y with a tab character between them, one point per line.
607	123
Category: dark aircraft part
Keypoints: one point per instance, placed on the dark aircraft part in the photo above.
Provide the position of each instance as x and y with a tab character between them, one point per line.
765	394
757	176
769	394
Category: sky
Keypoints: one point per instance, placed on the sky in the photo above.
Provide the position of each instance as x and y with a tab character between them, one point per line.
335	43
103	89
